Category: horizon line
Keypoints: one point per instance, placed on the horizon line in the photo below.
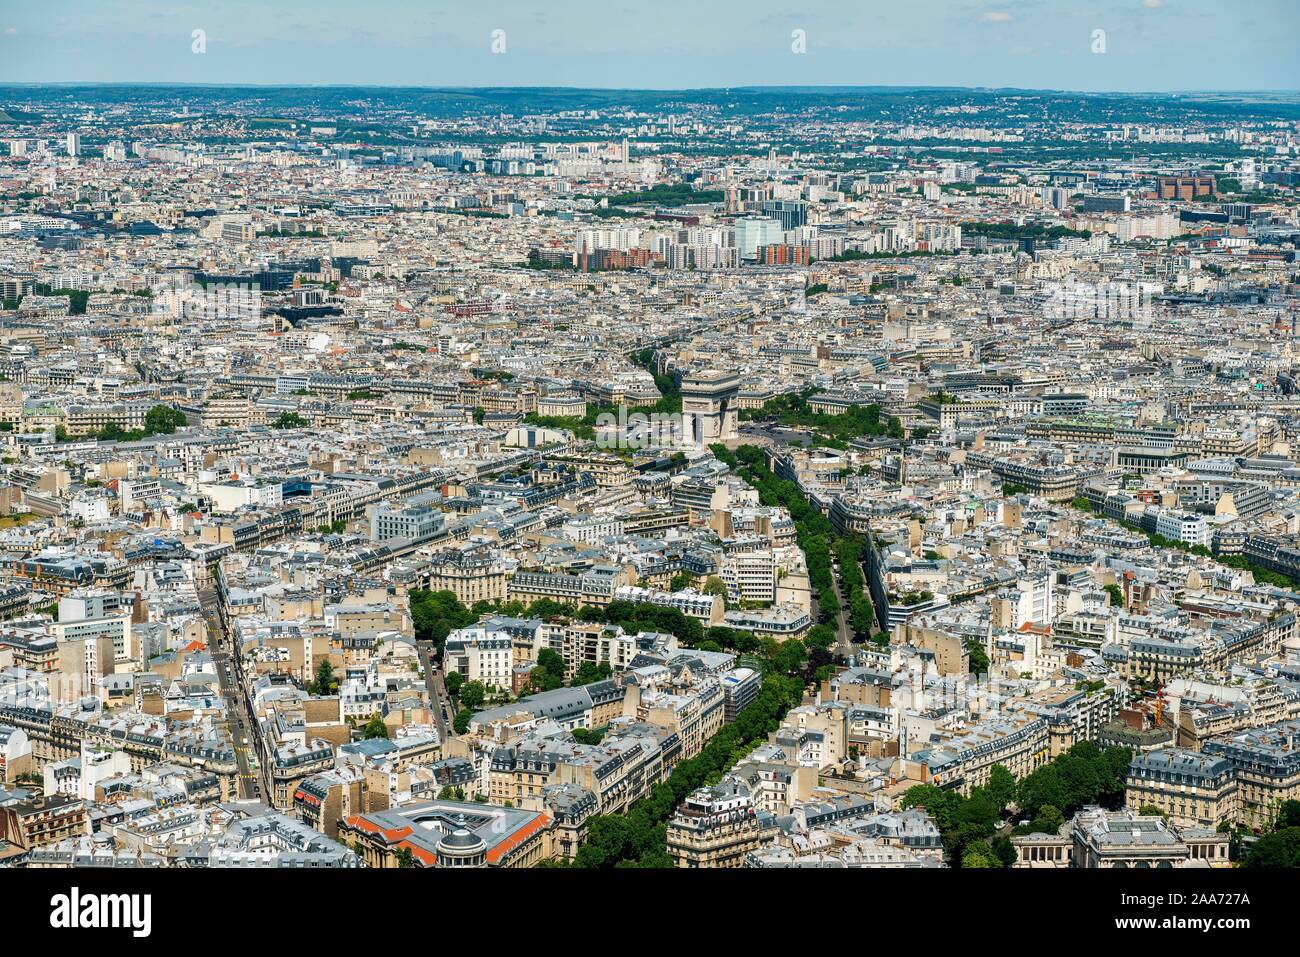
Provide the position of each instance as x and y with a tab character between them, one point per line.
644	89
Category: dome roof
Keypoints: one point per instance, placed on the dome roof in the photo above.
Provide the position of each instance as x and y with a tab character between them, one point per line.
462	841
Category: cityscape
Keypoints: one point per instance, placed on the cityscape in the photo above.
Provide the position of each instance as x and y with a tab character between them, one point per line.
548	477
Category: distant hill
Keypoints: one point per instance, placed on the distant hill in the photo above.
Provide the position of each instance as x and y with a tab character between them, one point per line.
846	103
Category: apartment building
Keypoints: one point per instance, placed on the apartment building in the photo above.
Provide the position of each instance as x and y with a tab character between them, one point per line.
1019	743
1266	763
1189	788
49	819
717	826
471	574
750	577
477	654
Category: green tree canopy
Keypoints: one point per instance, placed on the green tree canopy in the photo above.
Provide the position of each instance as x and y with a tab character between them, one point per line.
289	420
461	722
326	683
1279	849
163	420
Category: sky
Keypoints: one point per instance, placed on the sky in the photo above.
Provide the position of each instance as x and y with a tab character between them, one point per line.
1149	45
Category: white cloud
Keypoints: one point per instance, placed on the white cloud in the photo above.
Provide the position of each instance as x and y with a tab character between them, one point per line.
996	16
1153	4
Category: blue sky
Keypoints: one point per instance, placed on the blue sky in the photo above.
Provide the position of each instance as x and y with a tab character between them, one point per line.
661	44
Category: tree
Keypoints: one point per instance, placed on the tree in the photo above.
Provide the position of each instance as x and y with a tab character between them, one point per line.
1004	850
634	617
862	614
979	854
163	420
1288	815
551	661
472	694
1116	595
461	722
544	679
941	804
1001	787
1279	849
289	420
326	683
638	837
790	657
1084	774
589	672
1049	819
820	637
548	608
436	614
588	735
404	857
375	728
453	681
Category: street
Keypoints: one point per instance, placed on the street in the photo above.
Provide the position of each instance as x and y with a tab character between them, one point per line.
778	435
243	729
843	635
439	701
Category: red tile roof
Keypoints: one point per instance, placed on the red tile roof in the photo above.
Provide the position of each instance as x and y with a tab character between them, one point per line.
519	837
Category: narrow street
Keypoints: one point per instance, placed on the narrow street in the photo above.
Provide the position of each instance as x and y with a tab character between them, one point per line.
843	635
439	701
239	719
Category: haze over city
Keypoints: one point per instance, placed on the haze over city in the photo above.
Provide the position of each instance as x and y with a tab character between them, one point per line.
1151	45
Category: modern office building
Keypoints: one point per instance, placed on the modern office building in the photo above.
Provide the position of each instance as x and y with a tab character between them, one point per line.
790	213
